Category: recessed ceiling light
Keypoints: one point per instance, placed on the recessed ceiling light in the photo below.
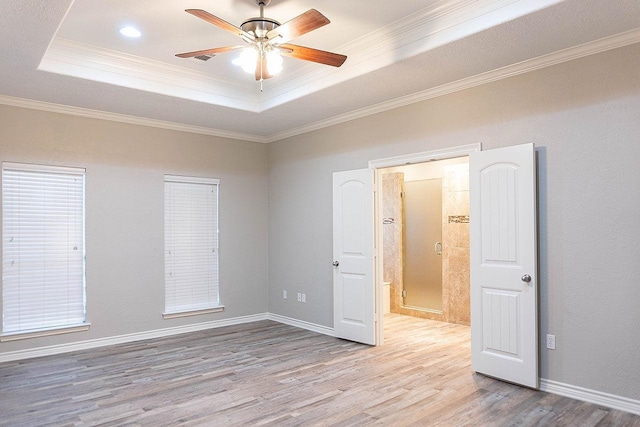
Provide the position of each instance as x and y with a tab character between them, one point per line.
130	32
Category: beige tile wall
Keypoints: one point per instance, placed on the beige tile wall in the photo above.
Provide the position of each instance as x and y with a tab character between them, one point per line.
455	244
392	187
455	239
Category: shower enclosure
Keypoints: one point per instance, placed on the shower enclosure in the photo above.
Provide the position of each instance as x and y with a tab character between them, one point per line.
422	249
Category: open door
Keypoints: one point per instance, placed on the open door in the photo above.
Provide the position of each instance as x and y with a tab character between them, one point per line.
353	266
504	306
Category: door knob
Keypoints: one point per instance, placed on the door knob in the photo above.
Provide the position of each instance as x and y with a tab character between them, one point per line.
526	278
335	263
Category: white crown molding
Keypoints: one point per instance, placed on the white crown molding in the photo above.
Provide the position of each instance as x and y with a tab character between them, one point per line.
569	54
123	118
84	61
592	396
437	25
433	27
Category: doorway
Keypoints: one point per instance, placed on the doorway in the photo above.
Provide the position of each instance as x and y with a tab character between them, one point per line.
386	295
502	190
425	240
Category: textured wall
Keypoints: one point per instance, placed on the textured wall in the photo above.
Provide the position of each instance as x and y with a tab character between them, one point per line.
125	167
583	117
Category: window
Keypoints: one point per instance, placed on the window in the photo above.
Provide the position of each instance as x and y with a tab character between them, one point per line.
43	270
191	245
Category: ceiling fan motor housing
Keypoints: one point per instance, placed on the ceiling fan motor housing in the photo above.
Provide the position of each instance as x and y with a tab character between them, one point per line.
259	26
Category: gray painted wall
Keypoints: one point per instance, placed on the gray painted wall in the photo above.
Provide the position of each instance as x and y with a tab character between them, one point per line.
125	167
584	117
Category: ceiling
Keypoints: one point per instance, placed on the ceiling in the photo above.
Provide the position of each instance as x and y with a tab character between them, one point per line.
68	56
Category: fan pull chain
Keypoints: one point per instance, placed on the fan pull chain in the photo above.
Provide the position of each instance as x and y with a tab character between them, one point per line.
261	61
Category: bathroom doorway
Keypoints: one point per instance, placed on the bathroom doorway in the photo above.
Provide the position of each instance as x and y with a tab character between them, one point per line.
425	240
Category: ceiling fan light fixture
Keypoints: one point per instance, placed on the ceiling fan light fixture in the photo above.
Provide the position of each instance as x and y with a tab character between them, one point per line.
247	60
267	42
274	62
249	57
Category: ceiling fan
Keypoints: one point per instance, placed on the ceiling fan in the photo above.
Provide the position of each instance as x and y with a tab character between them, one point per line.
266	41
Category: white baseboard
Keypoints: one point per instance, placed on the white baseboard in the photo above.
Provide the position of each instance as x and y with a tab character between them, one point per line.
301	324
550	386
159	333
591	396
121	339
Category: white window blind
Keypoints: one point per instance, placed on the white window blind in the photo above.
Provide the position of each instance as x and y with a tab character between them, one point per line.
43	278
191	244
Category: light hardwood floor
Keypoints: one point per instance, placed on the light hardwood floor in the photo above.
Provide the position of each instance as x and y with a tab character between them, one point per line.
266	373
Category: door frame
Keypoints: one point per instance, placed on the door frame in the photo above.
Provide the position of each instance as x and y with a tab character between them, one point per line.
377	166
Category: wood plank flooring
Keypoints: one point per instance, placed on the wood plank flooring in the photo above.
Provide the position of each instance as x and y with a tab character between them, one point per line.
269	374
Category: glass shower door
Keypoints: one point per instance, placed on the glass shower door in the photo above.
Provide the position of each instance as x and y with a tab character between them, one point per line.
422	270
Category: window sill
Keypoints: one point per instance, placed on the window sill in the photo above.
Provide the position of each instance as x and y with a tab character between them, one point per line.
193	313
15	336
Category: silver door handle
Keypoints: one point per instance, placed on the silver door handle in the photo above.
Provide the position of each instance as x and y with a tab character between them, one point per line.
335	263
438	248
526	278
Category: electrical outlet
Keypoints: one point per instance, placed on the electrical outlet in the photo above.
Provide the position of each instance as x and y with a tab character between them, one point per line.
284	294
551	342
304	298
299	297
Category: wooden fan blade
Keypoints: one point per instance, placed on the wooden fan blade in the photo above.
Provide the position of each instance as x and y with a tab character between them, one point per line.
261	70
301	24
210	52
220	23
314	55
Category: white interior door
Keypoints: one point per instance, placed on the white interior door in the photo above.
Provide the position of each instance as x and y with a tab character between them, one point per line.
504	325
353	275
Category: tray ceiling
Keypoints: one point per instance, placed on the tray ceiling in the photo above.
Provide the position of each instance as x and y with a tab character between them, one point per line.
69	56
